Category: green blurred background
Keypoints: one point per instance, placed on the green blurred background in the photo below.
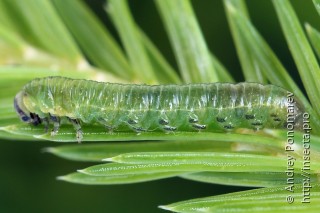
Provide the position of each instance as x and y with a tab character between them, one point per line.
27	180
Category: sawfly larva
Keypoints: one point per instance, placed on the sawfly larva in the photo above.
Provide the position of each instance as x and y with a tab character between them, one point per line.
211	107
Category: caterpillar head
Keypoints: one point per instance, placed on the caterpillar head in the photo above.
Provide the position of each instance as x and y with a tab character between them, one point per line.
24	114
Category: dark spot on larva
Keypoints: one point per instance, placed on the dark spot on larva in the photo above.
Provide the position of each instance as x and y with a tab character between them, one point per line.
170	128
53	118
193	120
32	115
199	126
258	123
36	119
249	117
131	121
273	115
277	119
229	126
221	120
138	129
74	121
163	122
285	125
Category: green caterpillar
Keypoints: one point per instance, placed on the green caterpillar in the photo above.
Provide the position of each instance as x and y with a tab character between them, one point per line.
214	107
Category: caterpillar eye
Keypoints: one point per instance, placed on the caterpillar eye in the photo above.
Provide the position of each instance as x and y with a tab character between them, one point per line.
25	118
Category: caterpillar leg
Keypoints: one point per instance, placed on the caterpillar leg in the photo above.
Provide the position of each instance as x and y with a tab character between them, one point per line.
56	124
45	122
77	127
